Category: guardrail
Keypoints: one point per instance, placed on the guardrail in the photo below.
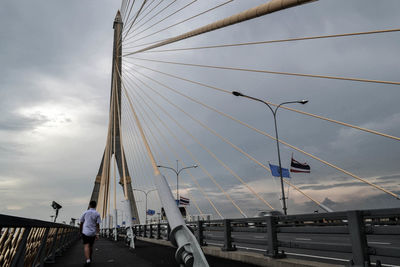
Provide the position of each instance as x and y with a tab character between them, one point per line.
28	242
351	230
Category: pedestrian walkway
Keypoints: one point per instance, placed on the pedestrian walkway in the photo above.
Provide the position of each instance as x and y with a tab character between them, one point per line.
116	254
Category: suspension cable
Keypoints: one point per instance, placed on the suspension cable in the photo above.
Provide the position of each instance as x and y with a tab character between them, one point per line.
144	16
274	72
136	16
155	15
183	21
173	150
236	148
270	103
162	150
211	153
203	169
162	135
168	16
281	141
276	41
192	177
258	11
144	10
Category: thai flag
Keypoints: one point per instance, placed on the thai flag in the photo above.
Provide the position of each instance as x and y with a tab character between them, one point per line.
296	166
184	200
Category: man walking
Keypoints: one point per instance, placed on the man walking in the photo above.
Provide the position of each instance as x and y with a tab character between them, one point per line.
89	228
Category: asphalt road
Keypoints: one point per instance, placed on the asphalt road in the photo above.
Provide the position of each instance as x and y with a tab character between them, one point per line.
384	241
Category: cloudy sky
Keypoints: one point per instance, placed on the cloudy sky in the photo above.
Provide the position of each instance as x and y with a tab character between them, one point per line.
55	88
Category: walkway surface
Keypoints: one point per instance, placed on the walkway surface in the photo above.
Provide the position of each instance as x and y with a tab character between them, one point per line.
109	253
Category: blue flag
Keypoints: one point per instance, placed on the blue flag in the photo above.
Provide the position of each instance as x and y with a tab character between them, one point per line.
275	171
151	212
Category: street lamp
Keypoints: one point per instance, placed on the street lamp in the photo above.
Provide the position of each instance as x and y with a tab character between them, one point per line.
177	172
56	207
145	193
235	93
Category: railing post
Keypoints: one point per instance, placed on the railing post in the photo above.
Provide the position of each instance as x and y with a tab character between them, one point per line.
151	231
158	231
358	238
168	231
227	236
52	255
61	244
199	233
272	238
19	257
145	230
42	249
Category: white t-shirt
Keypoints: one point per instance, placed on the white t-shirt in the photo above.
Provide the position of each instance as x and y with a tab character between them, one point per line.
90	219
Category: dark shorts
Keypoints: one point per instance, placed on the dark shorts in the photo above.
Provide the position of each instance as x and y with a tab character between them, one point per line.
88	239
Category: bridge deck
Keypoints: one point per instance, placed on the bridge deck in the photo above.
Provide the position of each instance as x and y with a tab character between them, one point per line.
109	253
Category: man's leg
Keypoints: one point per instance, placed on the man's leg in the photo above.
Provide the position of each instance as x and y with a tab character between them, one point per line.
91	251
87	251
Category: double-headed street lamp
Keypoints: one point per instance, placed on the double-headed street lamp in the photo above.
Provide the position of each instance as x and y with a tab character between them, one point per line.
276	135
177	172
145	193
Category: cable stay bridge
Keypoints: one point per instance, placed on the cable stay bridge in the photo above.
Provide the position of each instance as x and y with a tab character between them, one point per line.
203	164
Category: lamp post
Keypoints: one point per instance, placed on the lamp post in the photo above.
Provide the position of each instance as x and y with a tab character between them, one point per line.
235	93
177	172
145	193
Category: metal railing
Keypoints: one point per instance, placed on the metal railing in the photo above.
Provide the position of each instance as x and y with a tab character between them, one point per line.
346	233
28	242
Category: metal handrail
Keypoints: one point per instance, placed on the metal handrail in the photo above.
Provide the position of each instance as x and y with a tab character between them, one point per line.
355	225
30	242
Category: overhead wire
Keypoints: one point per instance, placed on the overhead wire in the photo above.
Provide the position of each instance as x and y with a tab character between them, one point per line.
273	104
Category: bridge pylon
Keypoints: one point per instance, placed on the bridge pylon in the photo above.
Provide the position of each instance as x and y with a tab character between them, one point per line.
114	144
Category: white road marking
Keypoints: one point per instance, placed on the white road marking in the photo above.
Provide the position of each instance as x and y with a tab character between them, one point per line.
214	244
258	236
258	249
313	256
304	239
379	243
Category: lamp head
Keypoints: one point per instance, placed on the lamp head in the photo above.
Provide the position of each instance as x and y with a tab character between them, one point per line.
158	166
304	101
236	93
195	166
